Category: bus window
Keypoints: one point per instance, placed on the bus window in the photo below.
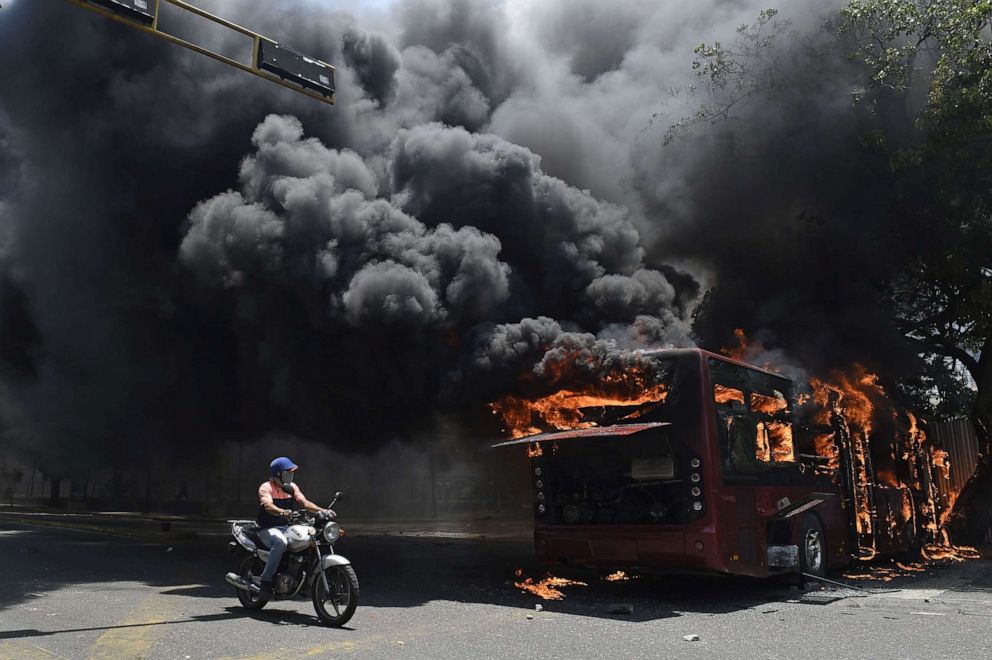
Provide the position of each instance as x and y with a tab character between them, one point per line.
728	396
780	442
773	403
754	418
741	440
771	407
820	449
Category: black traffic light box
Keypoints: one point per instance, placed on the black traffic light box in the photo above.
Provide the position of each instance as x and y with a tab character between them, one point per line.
296	67
142	11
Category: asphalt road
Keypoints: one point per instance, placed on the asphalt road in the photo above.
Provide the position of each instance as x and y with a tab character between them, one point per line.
74	594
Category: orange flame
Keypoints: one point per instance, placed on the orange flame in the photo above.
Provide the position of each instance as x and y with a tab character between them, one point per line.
851	403
743	348
824	445
723	394
780	441
549	588
567	409
619	576
770	405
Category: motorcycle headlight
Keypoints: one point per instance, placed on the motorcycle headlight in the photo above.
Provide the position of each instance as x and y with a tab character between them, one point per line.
331	532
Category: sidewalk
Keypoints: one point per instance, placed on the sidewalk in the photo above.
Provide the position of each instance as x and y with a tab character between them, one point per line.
161	527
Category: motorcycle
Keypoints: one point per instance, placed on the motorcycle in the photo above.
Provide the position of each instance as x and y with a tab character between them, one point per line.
309	566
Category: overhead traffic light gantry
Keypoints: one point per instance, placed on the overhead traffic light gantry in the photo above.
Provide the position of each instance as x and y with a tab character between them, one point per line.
269	59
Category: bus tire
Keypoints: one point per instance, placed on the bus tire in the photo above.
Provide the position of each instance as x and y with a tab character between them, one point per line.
812	546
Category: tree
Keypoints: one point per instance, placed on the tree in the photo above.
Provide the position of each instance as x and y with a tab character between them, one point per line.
944	296
731	76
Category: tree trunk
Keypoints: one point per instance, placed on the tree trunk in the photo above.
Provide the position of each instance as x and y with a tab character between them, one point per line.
972	513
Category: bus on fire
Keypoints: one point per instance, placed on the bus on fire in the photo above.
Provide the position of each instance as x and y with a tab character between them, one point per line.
726	472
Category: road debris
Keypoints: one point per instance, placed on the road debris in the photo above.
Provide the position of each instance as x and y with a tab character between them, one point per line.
691	638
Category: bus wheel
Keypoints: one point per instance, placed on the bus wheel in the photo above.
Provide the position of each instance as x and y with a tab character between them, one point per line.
812	547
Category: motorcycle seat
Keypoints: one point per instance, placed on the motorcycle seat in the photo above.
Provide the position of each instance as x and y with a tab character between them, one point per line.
250	532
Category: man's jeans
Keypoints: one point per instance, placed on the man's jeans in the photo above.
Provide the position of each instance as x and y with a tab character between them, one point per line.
275	539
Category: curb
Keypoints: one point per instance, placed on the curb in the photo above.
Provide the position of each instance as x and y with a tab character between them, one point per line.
146	536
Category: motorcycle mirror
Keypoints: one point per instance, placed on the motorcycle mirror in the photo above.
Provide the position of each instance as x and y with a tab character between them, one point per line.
338	495
289	488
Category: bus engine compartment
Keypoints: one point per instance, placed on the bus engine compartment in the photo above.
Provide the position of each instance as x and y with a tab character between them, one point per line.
640	480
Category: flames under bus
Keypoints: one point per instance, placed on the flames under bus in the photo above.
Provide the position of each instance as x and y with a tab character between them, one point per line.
719	476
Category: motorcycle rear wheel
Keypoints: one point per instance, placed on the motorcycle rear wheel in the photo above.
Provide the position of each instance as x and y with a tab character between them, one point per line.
250	567
342	599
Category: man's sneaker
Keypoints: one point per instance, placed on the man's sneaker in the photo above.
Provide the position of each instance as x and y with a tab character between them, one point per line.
266	589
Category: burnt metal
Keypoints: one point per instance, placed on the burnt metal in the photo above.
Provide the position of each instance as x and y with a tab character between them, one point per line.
796	508
618	430
142	11
296	67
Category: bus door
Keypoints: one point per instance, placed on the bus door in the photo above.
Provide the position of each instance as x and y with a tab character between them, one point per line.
754	421
738	509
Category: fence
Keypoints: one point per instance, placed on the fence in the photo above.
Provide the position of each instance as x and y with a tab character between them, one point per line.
959	440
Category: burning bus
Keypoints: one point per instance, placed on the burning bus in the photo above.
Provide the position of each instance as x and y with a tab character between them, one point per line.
686	460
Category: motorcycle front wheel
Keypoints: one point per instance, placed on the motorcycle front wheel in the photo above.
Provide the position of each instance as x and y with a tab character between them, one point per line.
336	603
250	567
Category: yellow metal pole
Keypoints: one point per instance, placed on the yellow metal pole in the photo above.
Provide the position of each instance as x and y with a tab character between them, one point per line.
211	17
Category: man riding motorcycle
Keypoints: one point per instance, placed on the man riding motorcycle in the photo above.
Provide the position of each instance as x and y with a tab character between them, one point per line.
277	498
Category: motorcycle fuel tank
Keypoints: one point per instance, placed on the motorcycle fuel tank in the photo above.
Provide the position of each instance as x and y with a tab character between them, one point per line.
298	537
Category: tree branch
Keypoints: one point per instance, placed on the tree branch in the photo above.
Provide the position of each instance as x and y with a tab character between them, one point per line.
937	345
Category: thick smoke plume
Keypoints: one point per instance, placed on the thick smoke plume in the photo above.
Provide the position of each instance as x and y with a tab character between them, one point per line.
190	254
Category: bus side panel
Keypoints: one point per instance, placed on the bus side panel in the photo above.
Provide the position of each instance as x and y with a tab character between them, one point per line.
837	526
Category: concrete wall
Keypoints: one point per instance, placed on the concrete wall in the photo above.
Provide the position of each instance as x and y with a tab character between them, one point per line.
442	476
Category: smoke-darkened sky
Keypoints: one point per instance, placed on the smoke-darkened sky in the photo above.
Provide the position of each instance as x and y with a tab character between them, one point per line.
190	254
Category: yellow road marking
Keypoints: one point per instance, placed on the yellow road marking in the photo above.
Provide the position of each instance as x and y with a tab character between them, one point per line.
23	650
137	635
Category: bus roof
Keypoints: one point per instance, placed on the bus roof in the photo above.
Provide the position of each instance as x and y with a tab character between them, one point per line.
591	432
678	352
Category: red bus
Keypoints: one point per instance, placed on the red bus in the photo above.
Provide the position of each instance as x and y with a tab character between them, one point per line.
719	476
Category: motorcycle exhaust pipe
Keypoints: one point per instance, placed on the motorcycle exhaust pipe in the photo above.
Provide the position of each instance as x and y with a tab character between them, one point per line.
239	582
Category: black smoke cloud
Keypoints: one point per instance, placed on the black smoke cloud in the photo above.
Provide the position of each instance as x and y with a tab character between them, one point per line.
341	286
408	268
191	254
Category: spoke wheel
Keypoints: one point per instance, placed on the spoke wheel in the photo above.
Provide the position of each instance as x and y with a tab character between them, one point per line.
812	547
251	567
336	604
